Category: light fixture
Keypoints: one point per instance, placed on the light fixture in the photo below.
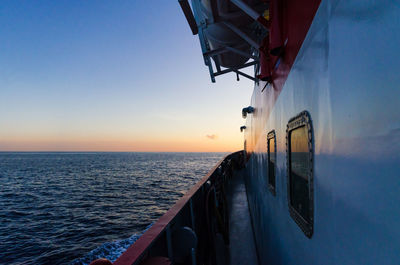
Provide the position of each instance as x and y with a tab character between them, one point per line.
249	110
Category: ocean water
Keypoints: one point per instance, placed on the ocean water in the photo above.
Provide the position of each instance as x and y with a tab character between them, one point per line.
70	208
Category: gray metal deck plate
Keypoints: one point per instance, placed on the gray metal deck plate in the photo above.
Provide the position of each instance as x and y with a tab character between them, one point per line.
242	245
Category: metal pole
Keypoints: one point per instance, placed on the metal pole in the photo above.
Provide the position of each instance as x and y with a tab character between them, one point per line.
169	243
189	15
192	213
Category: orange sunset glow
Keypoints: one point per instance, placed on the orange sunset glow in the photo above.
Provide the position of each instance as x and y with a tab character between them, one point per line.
118	91
115	145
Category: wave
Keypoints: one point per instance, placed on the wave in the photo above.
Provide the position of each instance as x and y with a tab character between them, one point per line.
109	250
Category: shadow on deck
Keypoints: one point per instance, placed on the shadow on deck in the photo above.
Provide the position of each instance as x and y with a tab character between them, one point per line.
242	249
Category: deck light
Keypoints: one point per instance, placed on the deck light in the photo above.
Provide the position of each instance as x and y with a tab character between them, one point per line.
249	110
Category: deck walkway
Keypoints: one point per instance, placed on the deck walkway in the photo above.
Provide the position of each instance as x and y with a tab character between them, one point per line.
242	245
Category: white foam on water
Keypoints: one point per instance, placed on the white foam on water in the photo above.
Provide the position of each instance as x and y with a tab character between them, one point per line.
109	250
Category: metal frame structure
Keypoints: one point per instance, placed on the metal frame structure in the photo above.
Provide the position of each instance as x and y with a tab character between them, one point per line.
194	18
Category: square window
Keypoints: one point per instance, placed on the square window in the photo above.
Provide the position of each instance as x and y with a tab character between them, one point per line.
300	171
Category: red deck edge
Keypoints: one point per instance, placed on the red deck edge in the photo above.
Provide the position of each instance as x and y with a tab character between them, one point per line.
139	247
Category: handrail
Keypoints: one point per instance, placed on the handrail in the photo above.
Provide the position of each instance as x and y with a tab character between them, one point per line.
135	253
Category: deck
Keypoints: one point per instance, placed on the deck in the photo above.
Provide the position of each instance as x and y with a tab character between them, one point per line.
242	244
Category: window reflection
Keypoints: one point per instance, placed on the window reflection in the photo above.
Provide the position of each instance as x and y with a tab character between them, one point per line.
299	171
271	160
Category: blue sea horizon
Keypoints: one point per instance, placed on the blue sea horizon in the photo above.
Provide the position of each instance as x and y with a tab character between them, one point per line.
72	207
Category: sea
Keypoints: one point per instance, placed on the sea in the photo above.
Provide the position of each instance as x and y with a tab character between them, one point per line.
71	208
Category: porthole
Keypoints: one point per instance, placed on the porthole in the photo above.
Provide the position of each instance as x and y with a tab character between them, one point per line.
300	156
271	146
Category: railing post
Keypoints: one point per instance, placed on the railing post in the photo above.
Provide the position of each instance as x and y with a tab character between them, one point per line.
169	243
193	256
192	213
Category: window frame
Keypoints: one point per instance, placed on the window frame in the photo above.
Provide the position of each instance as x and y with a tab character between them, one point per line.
271	135
300	120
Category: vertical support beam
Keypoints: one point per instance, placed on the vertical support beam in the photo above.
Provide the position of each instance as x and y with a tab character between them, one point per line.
203	42
187	11
211	70
216	61
169	242
201	25
194	257
215	198
192	214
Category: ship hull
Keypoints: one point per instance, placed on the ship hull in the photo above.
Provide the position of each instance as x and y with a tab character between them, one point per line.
321	152
345	75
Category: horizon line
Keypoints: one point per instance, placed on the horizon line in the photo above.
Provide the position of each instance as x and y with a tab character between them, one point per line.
19	151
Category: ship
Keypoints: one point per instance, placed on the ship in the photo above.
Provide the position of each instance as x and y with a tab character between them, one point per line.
317	181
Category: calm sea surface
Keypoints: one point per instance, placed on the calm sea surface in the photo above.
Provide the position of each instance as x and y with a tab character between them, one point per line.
69	208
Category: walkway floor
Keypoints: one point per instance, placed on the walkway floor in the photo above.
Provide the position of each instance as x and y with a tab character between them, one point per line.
242	245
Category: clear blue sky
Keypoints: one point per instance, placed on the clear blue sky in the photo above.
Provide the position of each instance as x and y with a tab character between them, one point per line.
111	75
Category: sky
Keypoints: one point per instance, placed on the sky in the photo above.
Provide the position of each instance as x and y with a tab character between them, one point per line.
111	76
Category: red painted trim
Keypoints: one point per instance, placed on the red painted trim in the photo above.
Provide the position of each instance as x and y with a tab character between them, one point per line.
297	17
145	241
290	21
